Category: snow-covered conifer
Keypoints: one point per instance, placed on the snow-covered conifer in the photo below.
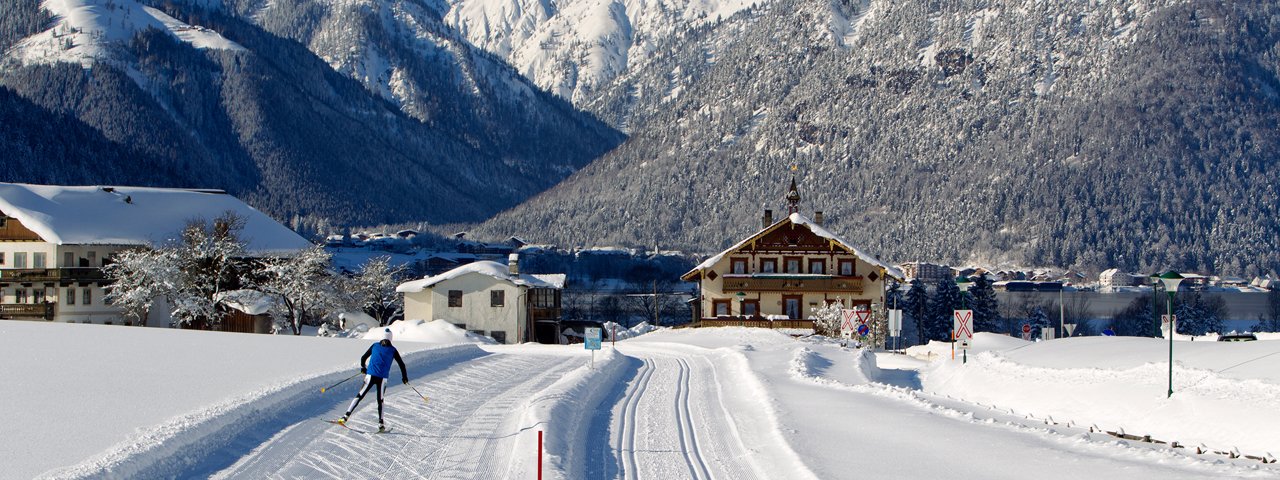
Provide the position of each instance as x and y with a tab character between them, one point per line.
826	319
915	304
985	306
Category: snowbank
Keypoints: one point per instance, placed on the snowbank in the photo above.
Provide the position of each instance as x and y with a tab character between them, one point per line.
982	342
625	333
564	411
436	332
1225	393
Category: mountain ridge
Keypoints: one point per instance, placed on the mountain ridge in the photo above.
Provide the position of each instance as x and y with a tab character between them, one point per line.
996	132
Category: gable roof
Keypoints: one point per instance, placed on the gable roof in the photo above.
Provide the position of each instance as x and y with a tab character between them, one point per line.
797	219
490	268
96	215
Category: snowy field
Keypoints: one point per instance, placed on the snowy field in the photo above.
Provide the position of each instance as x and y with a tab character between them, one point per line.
736	403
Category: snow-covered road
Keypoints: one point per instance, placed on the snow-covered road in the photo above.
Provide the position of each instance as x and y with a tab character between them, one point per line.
466	430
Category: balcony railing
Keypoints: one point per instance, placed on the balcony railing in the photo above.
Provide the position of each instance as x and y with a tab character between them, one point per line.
78	274
27	311
755	322
797	283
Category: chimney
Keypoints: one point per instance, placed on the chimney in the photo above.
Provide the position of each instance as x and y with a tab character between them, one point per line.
513	263
768	218
817	217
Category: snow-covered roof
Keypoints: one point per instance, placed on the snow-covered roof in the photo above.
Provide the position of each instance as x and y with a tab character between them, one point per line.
251	302
135	215
490	268
799	219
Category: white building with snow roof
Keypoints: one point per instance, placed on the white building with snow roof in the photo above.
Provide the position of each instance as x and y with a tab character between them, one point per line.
775	276
54	240
491	299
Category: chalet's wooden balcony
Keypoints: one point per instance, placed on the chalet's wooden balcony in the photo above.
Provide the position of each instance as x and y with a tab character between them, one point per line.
26	311
791	283
755	322
78	274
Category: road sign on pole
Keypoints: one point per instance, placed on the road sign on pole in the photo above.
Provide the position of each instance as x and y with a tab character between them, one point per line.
591	340
847	320
1071	329
895	323
963	325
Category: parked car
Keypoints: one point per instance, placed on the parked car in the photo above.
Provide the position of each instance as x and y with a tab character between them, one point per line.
1238	337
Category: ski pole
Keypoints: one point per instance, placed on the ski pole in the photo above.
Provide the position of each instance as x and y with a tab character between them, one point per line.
322	389
415	390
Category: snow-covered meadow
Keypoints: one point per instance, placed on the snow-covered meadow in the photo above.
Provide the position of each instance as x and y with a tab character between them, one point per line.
111	401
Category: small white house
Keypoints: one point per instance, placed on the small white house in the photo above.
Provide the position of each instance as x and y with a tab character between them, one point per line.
491	299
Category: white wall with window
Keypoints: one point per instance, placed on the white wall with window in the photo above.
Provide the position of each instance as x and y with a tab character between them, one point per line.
480	302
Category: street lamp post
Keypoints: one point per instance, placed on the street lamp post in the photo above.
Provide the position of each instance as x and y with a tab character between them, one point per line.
1170	281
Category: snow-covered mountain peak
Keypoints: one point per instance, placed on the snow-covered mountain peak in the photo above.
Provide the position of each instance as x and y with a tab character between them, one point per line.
86	30
573	46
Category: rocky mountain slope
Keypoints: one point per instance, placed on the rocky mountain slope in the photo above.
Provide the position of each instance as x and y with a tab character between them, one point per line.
1136	133
378	114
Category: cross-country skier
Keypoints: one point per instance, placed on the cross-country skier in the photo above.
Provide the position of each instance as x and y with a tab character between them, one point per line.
376	370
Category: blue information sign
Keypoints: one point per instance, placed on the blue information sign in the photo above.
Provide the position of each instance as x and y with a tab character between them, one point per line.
863	330
592	341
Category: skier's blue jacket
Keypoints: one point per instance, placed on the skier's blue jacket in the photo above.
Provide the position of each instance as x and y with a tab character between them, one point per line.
379	359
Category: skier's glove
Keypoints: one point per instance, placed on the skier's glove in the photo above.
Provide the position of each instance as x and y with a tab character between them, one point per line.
405	380
362	370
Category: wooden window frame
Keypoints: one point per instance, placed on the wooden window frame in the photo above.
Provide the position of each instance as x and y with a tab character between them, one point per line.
799	264
497	298
455	298
88	297
818	261
71	295
755	303
735	262
771	262
728	307
799	301
853	268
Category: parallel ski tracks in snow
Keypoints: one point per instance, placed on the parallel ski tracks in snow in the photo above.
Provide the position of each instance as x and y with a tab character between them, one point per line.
467	430
675	390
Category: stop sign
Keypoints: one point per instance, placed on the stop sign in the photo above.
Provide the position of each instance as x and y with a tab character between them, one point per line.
1026	328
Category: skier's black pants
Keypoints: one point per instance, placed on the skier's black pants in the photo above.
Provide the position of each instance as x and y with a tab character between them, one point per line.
370	381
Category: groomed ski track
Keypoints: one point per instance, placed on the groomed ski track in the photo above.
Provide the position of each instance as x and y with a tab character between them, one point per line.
672	419
467	429
739	407
663	415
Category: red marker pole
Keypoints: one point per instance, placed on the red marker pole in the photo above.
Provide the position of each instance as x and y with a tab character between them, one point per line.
539	454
